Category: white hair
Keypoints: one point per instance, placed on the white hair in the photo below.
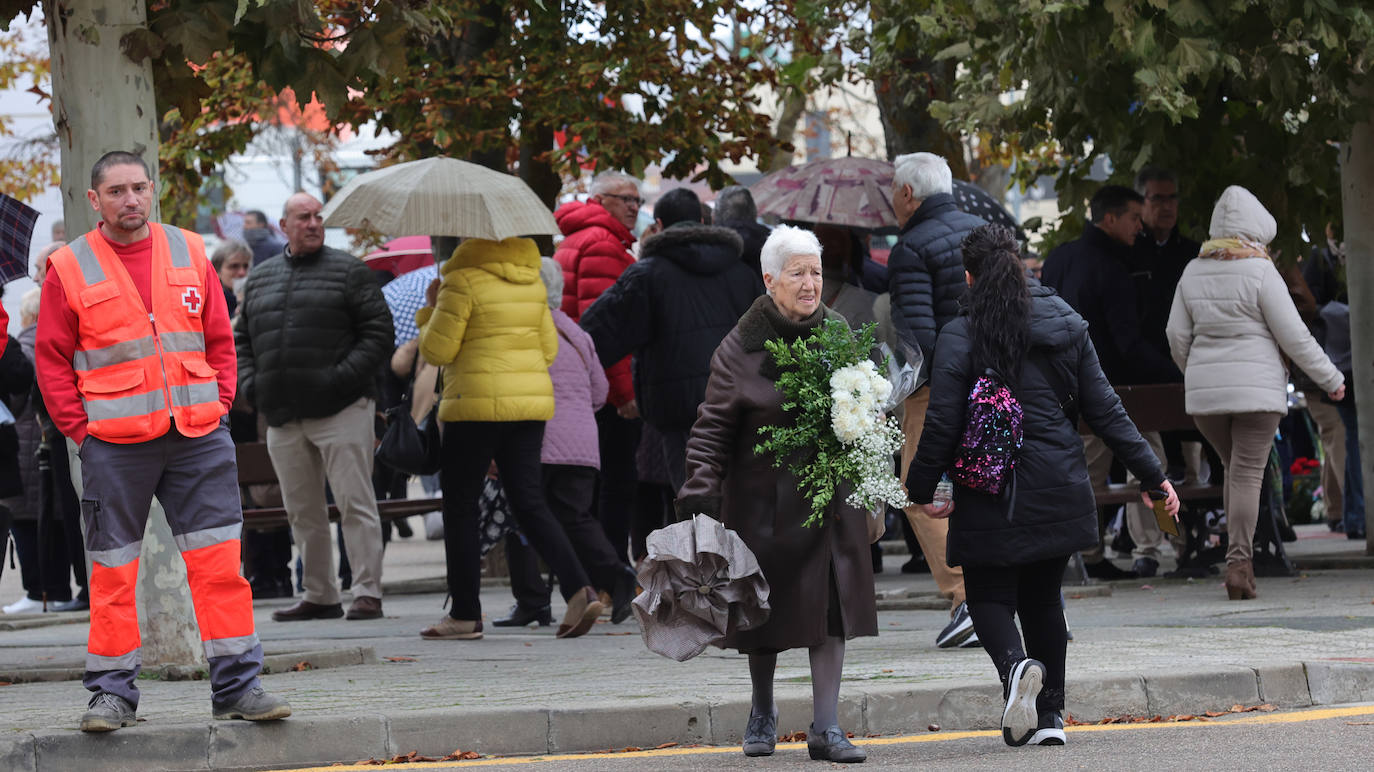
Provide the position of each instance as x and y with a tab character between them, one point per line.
28	305
785	243
607	181
926	173
552	275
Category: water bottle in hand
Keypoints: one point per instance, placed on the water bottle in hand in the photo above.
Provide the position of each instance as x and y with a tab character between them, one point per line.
944	492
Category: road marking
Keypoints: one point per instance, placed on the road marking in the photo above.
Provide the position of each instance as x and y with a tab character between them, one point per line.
1246	720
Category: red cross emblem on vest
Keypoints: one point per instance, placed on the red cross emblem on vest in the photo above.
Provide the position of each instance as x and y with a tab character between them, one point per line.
191	299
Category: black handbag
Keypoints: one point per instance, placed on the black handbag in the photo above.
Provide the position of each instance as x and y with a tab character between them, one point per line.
408	447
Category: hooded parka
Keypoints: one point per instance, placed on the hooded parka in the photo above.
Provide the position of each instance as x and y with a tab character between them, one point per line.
491	331
1049	509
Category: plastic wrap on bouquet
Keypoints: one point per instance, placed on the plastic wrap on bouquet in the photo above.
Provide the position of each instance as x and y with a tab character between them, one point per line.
701	583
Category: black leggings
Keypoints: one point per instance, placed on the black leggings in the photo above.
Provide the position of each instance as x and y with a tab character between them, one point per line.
1030	591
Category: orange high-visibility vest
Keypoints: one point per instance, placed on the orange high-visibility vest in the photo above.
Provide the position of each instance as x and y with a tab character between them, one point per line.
139	370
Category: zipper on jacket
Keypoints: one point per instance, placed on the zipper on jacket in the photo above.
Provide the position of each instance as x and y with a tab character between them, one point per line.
162	364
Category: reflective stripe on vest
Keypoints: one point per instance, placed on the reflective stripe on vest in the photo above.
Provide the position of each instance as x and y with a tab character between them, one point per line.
87	261
125	407
119	353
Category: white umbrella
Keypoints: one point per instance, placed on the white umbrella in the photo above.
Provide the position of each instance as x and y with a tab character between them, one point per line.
440	197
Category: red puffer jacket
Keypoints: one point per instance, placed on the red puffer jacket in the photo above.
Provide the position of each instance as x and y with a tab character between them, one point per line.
594	252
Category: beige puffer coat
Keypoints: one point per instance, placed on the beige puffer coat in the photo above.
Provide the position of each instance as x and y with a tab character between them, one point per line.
1232	321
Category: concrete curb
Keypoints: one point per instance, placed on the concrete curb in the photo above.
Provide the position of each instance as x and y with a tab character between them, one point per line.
865	709
277	662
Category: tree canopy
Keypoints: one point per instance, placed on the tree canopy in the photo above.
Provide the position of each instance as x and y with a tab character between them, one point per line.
1223	91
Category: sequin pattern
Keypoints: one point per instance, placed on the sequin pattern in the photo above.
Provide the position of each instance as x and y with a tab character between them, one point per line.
986	456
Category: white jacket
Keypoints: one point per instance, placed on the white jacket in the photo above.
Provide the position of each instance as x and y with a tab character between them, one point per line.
1231	323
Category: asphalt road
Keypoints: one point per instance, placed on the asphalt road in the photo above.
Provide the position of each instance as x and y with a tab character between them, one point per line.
1328	739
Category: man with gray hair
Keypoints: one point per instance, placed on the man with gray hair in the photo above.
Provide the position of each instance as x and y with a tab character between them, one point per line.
735	210
926	280
594	252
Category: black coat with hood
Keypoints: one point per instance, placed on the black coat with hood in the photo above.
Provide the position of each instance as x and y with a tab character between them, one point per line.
926	271
671	309
1048	511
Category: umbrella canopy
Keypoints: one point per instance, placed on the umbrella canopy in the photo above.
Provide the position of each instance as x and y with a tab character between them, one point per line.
700	582
405	295
856	192
440	197
402	255
16	231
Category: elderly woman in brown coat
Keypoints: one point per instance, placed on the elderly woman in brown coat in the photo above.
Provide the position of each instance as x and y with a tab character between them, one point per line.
820	578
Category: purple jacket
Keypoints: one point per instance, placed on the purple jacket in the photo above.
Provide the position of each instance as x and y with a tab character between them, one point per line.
579	390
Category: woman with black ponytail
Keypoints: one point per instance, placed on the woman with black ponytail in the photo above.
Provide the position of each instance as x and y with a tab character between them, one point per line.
1014	545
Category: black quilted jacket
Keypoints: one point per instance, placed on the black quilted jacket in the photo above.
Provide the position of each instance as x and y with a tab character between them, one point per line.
311	336
926	271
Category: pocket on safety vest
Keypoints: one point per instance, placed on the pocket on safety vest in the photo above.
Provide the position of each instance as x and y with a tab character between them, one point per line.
106	382
198	367
99	292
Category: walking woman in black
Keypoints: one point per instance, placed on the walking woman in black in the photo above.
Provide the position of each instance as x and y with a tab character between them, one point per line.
1014	546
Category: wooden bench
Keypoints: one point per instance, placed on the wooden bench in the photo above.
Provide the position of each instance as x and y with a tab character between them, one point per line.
255	468
1154	408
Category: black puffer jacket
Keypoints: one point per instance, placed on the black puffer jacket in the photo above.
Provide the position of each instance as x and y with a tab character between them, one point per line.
926	271
1049	510
671	309
311	335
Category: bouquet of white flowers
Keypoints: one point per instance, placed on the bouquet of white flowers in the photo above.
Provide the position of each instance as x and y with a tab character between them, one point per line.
841	436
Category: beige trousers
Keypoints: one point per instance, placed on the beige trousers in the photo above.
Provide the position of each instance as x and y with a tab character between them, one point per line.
1243	441
930	532
1140	519
339	448
1332	432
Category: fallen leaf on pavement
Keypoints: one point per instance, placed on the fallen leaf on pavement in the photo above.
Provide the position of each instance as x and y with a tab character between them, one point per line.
462	755
401	659
665	745
301	667
792	737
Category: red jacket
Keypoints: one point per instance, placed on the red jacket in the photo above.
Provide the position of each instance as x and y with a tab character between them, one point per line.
594	252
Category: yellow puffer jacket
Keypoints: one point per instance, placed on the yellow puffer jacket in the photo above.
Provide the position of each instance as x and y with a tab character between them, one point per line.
491	331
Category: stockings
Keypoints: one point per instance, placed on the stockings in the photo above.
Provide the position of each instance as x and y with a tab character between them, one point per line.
827	665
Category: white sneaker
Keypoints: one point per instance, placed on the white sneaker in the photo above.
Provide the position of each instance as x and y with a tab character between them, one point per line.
25	605
1020	718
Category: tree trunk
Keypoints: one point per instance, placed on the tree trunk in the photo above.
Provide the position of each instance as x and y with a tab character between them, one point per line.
103	101
538	174
910	128
793	105
1357	201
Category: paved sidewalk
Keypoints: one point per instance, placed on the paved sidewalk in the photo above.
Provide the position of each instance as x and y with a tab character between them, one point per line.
1156	647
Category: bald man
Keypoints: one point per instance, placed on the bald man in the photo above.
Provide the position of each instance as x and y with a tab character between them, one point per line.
313	331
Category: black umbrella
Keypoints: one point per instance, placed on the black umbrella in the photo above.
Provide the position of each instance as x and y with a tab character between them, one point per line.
976	201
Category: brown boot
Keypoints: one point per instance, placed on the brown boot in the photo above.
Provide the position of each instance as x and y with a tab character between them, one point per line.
1250	593
1235	580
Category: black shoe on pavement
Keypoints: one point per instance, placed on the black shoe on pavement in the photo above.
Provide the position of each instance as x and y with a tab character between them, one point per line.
917	565
761	734
622	594
307	610
833	745
1050	730
267	588
75	604
1105	569
521	616
1145	567
958	630
1020	717
108	712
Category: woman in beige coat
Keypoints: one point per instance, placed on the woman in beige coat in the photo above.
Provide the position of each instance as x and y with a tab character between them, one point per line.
1231	324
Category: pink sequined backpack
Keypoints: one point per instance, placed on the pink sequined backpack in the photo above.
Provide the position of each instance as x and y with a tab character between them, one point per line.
986	457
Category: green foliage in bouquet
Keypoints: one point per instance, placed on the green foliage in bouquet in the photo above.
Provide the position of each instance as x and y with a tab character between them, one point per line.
808	446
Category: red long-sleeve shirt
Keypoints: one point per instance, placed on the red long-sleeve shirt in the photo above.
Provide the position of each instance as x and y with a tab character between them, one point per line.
57	330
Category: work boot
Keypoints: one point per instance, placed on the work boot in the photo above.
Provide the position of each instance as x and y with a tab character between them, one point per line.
255	705
108	712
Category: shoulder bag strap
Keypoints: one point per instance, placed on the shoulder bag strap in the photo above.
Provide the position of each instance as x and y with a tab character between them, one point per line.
1068	401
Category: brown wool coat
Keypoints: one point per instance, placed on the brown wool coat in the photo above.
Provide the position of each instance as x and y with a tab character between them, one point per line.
726	479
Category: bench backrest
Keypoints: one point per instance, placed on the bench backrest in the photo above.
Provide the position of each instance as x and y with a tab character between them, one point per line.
1154	408
255	465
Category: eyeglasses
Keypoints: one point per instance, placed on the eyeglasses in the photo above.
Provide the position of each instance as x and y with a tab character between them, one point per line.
1162	198
631	200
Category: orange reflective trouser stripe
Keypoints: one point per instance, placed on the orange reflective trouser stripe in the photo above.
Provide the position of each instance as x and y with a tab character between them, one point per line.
222	597
114	641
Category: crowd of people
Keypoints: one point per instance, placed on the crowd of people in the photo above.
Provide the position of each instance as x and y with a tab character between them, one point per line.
619	385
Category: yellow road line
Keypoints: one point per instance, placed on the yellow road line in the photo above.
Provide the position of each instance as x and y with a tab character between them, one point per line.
1266	718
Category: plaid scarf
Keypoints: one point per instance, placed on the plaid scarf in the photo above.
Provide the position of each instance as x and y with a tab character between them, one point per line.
1233	249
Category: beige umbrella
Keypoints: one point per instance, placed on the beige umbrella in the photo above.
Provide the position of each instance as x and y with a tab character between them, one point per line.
440	197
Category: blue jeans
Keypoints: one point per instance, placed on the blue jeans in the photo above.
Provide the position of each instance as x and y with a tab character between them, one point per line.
1353	517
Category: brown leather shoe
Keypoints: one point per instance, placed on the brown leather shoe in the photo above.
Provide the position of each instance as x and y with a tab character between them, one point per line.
583	609
365	607
307	610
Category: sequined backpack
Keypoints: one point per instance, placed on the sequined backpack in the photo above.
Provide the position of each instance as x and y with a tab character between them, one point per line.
986	457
